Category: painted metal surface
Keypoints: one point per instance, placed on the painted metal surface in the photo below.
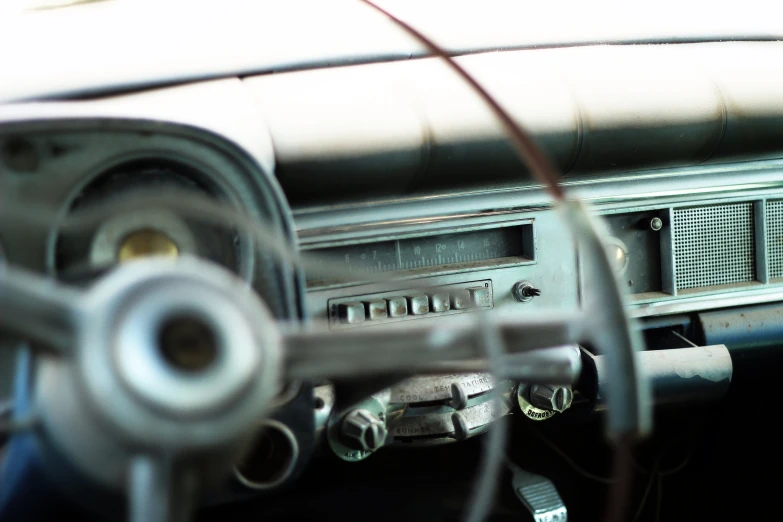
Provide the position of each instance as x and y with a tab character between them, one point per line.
749	327
255	37
680	376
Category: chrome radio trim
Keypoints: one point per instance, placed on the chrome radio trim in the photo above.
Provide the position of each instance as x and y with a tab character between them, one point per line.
425	227
406	228
335	323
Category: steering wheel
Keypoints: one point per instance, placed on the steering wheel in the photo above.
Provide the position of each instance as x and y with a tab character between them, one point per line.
157	374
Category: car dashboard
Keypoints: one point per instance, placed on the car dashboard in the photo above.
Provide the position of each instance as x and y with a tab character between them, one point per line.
367	192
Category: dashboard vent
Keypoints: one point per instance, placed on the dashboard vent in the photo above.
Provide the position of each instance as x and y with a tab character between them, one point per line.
774	219
714	245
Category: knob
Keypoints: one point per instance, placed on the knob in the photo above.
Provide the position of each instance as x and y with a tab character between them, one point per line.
363	431
551	398
524	291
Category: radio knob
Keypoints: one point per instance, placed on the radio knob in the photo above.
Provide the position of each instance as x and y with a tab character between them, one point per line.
524	291
362	430
551	398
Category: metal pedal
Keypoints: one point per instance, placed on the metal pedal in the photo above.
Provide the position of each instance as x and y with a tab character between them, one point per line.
539	495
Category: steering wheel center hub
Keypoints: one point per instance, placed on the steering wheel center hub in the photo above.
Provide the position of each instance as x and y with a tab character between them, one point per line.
174	354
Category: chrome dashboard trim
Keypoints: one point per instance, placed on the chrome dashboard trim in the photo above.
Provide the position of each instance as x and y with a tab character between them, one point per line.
707	302
642	185
768	186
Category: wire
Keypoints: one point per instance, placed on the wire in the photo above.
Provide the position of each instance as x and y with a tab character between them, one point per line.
576	467
667	473
648	488
657	476
677	468
685	339
638	467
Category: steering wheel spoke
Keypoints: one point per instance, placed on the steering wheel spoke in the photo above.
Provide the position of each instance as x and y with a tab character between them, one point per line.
38	309
537	348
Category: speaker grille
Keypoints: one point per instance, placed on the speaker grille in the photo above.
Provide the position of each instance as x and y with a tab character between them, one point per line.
714	245
774	218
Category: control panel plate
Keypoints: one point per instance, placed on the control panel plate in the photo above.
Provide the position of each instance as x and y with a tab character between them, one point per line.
554	271
416	303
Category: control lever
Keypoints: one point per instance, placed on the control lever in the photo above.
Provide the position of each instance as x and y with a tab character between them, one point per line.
538	494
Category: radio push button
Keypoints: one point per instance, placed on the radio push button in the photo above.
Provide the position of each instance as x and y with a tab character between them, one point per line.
440	302
460	299
419	304
480	296
376	310
351	313
398	306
